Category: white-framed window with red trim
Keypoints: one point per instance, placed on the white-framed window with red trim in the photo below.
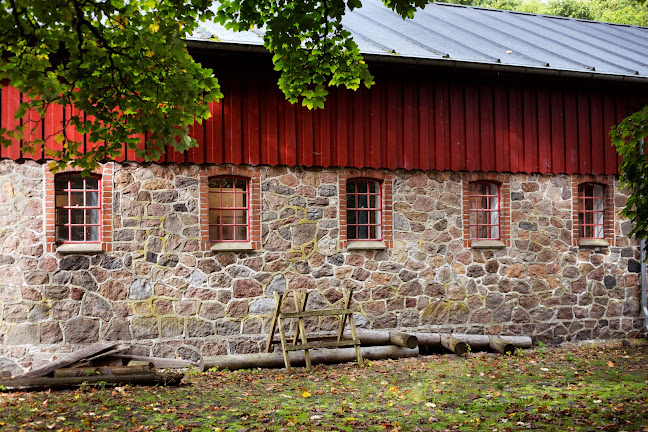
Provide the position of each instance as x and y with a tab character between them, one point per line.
484	211
78	211
229	209
591	211
364	210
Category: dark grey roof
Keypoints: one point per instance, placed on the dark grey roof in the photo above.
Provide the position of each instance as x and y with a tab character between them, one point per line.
467	36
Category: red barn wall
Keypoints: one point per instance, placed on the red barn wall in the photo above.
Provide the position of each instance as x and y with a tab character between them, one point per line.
413	118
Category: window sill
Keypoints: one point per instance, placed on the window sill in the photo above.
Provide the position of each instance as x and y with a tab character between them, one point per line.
79	248
593	243
232	247
487	244
366	245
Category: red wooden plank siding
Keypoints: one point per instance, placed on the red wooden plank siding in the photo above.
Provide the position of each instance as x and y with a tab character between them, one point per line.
457	127
414	118
10	99
501	125
33	131
544	131
557	107
571	132
516	129
425	126
597	134
584	133
609	118
486	129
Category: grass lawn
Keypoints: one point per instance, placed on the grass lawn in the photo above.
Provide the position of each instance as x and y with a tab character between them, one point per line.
577	388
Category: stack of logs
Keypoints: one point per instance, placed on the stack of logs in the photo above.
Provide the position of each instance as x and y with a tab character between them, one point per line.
377	345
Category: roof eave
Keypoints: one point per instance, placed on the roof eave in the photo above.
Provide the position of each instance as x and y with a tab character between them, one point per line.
448	63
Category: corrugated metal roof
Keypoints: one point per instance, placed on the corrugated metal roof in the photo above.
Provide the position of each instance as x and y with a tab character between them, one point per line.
455	34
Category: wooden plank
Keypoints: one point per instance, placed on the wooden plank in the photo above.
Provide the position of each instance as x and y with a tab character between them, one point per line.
584	132
571	132
502	136
486	129
273	321
67	382
544	132
529	157
598	133
609	116
316	313
557	131
69	359
162	363
330	344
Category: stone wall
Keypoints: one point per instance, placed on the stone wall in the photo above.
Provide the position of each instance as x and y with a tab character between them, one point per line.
160	285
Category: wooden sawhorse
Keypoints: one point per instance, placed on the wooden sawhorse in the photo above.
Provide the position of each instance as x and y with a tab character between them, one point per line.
300	330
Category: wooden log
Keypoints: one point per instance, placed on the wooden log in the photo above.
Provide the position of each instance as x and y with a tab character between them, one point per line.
501	346
68	359
376	337
476	342
37	383
403	340
163	363
428	339
275	360
105	370
453	344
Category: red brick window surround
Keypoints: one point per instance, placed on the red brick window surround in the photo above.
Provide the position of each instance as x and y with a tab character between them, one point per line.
366	209
78	210
230	208
486	210
593	211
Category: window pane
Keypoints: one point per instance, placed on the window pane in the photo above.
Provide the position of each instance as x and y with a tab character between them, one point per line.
61	216
493	204
362	201
78	233
352	233
77	216
214	233
92	183
374	201
227	217
351	201
494	232
227	183
351	187
92	199
76	181
374	187
492	188
61	182
363	217
62	200
62	233
473	232
241	217
92	233
363	232
241	233
227	199
351	218
241	185
214	216
362	186
214	183
228	232
374	232
214	198
76	199
92	216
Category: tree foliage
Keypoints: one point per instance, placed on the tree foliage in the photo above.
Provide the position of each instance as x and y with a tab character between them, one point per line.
630	138
632	12
123	65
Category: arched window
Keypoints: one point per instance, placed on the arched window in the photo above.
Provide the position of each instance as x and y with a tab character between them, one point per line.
364	209
484	212
229	207
78	208
591	211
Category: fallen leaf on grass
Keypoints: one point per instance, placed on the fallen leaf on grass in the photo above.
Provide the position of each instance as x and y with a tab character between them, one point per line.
306	394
